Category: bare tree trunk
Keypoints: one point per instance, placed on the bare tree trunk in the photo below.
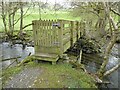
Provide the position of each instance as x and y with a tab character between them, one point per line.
119	11
110	44
21	18
13	18
4	17
108	49
39	10
9	18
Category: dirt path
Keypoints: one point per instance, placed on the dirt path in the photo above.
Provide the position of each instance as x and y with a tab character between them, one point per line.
25	78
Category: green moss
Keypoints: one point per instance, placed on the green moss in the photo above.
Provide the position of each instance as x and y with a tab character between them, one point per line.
26	60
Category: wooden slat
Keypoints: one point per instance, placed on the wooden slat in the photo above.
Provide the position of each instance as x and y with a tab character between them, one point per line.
43	49
36	27
33	26
46	37
36	33
40	32
71	36
60	37
77	23
65	40
45	32
49	33
66	30
53	33
66	46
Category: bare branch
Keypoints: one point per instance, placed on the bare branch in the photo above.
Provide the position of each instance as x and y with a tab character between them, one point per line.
23	15
27	25
115	12
94	13
111	70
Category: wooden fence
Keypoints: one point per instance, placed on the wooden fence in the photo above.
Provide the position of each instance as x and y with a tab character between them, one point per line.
54	37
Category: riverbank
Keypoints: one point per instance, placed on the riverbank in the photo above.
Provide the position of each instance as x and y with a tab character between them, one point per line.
45	75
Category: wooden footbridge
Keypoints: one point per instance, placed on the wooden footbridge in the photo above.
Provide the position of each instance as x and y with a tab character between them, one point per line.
53	37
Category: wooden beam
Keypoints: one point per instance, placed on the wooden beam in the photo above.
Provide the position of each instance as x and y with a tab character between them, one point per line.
11	58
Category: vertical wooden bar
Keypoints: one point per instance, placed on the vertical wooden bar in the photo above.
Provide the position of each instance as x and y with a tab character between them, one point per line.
47	30
43	26
52	37
40	33
81	29
84	27
57	33
54	34
36	33
77	30
33	27
44	38
60	36
71	34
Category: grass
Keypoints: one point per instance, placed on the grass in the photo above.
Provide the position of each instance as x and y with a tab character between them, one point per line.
62	76
34	15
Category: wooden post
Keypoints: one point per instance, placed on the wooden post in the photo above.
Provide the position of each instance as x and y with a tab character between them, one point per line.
80	29
84	27
77	30
11	58
71	34
80	57
33	27
10	64
60	37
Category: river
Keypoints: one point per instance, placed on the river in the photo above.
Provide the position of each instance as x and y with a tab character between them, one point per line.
114	59
14	51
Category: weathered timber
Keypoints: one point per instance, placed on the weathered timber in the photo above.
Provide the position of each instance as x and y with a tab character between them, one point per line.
11	58
11	64
80	57
54	37
27	59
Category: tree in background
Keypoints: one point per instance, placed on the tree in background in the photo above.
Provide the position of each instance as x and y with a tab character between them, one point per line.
8	14
9	10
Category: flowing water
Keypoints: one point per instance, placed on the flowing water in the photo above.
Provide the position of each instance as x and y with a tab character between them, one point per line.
114	59
16	50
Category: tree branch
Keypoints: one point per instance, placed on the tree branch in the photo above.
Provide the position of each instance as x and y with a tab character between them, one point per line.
111	70
115	12
27	25
23	14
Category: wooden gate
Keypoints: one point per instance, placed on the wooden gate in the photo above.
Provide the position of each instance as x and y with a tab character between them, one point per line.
53	37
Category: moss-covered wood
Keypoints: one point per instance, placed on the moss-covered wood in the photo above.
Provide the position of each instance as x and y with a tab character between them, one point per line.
54	36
